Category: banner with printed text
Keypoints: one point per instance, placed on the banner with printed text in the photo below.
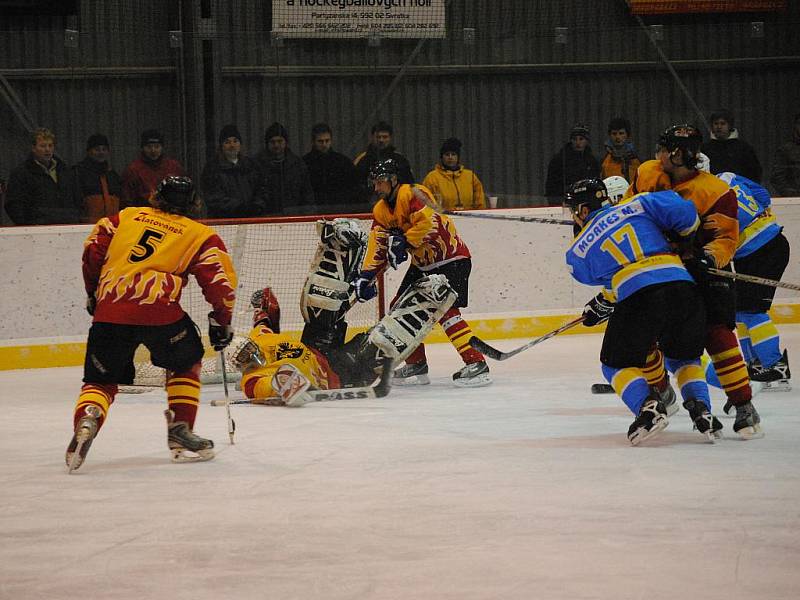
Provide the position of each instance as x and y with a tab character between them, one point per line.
358	18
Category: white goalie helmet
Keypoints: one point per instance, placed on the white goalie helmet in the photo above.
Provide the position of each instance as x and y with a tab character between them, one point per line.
616	186
703	162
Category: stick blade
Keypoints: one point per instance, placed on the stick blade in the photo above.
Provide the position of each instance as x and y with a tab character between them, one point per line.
486	349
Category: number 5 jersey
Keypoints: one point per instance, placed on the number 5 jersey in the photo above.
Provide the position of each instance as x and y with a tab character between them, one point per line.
137	262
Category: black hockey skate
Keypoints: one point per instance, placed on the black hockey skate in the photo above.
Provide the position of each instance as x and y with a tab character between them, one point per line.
775	378
668	398
472	375
181	439
703	420
652	419
411	374
748	423
83	437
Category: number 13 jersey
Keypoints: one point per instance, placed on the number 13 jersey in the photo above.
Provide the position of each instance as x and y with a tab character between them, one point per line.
137	262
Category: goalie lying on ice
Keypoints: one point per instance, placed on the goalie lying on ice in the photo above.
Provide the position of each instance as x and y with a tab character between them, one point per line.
322	359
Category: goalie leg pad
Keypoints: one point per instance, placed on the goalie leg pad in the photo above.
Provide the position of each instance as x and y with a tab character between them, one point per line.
412	317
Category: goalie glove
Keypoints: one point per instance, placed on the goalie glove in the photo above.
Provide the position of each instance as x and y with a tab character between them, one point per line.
91	304
364	285
597	311
219	335
396	250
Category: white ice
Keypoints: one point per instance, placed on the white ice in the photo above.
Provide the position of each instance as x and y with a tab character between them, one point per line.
527	489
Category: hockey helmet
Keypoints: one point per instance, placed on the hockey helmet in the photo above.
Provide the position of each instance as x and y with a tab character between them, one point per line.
384	170
616	187
686	138
591	193
175	195
703	163
267	310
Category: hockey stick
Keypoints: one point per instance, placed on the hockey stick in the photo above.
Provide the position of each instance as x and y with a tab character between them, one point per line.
754	279
231	422
546	220
496	354
379	390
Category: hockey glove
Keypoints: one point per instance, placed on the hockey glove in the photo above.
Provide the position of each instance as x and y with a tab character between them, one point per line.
219	335
699	265
365	288
91	304
597	311
396	248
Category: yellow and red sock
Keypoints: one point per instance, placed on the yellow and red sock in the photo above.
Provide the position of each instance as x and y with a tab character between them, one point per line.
183	394
653	369
100	395
417	356
459	332
723	347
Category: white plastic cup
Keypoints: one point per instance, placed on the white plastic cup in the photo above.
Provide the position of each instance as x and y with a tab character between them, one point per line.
492	201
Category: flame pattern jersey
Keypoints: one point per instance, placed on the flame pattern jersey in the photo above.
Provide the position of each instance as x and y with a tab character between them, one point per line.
281	349
432	237
715	202
136	264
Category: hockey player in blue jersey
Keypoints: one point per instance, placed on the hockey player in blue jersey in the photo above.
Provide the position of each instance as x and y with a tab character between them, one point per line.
648	296
762	251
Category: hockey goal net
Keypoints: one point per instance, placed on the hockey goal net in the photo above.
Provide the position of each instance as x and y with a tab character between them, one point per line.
274	252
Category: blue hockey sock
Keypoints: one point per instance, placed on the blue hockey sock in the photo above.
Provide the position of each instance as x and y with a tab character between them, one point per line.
764	337
630	384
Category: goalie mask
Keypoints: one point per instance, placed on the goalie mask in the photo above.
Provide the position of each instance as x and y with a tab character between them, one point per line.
175	195
589	193
682	139
267	310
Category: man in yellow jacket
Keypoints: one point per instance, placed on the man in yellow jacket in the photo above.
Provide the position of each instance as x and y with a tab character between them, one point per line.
405	224
453	185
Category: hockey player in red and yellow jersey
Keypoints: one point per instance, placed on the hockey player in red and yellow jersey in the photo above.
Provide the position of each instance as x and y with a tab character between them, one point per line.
404	223
675	168
135	265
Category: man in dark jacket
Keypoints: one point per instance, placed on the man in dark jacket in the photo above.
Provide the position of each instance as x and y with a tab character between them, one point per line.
142	176
572	163
232	184
380	149
288	186
727	152
98	187
785	176
41	189
333	175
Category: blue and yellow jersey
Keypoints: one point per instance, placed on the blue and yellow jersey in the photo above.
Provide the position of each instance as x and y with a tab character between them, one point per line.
623	247
432	237
281	349
137	262
757	224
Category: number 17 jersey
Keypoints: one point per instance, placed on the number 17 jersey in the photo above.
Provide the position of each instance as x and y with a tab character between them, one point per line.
137	262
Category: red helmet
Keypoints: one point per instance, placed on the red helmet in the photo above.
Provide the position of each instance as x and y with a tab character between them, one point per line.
267	309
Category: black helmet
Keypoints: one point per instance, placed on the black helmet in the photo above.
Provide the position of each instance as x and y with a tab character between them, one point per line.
682	137
384	169
176	195
586	192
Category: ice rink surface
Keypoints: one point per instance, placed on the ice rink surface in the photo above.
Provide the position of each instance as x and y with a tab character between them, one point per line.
527	489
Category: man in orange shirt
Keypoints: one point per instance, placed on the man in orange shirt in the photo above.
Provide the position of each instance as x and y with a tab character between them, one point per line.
135	265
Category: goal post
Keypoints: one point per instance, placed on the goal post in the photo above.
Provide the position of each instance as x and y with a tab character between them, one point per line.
274	252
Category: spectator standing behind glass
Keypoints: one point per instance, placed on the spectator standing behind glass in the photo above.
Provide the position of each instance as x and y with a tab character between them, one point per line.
727	151
453	185
98	187
621	158
785	176
142	176
380	149
333	176
41	189
232	185
572	163
288	185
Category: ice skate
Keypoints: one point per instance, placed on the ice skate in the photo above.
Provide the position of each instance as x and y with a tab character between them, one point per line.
748	423
652	419
83	437
704	422
775	378
667	397
472	375
181	439
411	374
